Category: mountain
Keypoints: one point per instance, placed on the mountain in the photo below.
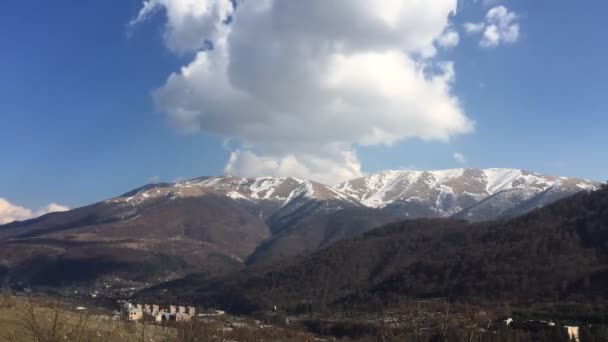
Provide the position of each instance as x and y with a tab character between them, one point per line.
222	224
148	242
302	226
556	254
279	201
271	194
471	194
209	224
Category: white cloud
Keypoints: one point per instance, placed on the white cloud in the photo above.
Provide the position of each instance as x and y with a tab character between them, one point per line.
298	90
474	27
449	38
189	22
459	157
306	166
500	27
11	212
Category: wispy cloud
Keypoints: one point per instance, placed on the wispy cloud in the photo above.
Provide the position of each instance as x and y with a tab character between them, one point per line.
474	27
459	157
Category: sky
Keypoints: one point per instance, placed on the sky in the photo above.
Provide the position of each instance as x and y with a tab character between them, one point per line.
100	97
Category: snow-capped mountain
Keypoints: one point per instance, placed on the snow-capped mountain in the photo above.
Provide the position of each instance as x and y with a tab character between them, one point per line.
276	200
279	190
220	223
450	192
471	194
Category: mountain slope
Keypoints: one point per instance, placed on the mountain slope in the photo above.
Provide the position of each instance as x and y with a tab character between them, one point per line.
317	231
190	232
204	224
551	254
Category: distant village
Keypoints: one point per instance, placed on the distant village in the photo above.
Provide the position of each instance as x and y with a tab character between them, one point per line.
158	314
174	313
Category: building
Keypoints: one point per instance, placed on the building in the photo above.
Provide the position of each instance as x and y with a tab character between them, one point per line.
134	314
154	312
573	333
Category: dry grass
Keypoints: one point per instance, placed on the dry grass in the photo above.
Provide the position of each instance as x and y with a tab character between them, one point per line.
44	320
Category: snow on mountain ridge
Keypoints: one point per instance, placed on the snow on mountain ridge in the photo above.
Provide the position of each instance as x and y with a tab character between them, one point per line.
451	190
254	189
503	179
410	193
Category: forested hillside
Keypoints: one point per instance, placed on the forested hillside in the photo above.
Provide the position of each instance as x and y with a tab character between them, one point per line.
552	254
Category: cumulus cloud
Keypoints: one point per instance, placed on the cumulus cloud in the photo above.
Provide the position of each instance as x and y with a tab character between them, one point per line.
10	212
305	166
500	27
299	90
449	38
459	157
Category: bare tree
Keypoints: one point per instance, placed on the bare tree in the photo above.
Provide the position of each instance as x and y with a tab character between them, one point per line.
6	299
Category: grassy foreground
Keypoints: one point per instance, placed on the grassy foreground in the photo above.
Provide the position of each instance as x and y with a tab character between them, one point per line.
39	319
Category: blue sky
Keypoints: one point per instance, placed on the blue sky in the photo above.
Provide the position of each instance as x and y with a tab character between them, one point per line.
79	123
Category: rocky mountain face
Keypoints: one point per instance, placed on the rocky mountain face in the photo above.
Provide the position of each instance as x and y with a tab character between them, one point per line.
219	224
471	194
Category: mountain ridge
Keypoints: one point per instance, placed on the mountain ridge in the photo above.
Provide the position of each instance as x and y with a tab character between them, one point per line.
376	190
227	222
448	192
